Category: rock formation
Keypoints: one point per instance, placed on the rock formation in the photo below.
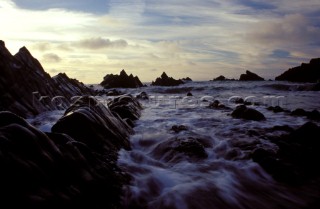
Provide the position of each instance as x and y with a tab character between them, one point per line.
244	112
305	73
27	90
74	166
249	76
121	81
165	80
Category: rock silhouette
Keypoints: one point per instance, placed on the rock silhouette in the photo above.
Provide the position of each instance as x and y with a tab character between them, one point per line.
304	73
249	76
165	80
27	90
121	81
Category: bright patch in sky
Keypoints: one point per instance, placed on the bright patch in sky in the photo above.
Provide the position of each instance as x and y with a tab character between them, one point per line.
200	39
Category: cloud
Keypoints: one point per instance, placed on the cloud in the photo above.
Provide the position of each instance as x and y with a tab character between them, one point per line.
100	43
51	58
92	6
293	29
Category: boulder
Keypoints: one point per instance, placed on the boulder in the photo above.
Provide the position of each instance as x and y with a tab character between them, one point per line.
165	80
304	73
187	79
121	81
184	147
249	76
179	128
244	112
126	106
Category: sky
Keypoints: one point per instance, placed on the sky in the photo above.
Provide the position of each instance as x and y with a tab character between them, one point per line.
201	39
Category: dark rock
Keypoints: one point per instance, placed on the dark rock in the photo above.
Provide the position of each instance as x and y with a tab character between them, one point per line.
220	78
299	112
305	73
192	146
276	109
143	95
53	170
179	128
313	115
316	87
121	81
27	90
243	112
90	122
217	105
189	94
165	80
296	159
236	100
126	106
187	79
249	76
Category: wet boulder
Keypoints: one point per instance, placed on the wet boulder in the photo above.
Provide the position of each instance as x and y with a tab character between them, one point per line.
126	106
92	123
244	112
53	170
184	147
179	128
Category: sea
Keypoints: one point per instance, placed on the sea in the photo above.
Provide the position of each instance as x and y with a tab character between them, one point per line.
227	178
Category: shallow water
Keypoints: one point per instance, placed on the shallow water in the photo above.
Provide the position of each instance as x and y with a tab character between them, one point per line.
227	178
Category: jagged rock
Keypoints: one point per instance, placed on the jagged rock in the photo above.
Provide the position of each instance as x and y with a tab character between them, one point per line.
189	94
165	80
27	90
249	76
187	79
244	112
121	81
53	170
305	73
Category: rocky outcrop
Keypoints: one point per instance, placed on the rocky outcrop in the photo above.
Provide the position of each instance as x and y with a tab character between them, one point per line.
249	76
74	166
121	81
187	79
244	112
27	90
305	73
296	160
165	80
54	170
220	78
